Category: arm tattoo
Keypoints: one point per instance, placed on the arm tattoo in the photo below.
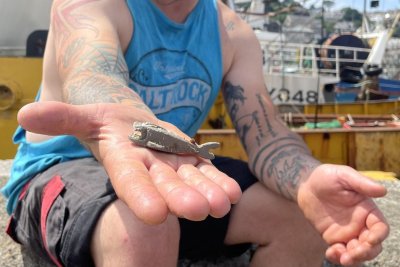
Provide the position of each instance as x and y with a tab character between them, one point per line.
98	58
280	161
291	137
230	26
283	163
287	166
65	20
234	97
262	102
281	150
97	71
102	75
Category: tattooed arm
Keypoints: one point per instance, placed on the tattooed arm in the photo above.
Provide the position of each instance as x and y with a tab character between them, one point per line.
84	56
335	199
277	156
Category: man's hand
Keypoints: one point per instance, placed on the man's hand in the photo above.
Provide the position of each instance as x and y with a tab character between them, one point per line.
337	200
151	183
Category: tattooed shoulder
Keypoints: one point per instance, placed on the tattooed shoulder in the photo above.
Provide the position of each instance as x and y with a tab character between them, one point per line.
230	26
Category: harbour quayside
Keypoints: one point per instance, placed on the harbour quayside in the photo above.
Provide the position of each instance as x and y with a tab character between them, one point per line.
359	65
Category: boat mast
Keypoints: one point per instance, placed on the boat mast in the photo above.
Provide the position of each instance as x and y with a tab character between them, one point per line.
365	26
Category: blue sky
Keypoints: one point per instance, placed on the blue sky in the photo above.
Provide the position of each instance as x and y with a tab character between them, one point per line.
359	4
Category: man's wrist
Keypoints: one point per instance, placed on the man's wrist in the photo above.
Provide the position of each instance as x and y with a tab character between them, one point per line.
303	186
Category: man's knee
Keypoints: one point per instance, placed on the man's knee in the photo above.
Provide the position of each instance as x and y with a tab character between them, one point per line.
119	234
277	226
265	217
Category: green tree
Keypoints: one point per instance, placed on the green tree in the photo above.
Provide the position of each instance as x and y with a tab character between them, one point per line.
352	15
281	7
328	4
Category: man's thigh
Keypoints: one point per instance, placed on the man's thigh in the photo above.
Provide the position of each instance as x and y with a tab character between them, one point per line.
59	211
263	216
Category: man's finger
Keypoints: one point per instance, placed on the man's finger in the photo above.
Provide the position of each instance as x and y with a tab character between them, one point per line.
358	254
182	200
133	185
215	195
229	185
334	252
378	227
57	118
361	184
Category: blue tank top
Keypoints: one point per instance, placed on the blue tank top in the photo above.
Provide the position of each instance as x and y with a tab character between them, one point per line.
175	68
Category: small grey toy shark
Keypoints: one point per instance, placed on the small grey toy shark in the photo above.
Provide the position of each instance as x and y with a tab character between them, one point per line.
155	137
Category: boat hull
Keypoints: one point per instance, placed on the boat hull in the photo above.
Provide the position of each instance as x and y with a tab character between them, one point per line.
19	82
364	149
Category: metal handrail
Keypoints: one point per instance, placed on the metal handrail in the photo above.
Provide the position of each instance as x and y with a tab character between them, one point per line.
281	56
12	50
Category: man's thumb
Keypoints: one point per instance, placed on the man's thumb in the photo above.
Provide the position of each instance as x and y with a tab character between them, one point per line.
53	118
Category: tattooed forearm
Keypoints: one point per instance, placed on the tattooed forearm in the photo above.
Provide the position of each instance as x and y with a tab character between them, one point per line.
282	164
97	57
100	88
244	123
105	58
247	122
267	161
99	75
71	51
265	150
279	157
65	19
91	63
288	167
262	102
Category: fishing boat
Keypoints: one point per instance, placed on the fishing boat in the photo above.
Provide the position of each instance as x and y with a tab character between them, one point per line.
346	67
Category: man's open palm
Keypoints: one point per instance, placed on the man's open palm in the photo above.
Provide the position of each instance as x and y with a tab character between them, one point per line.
151	183
337	200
